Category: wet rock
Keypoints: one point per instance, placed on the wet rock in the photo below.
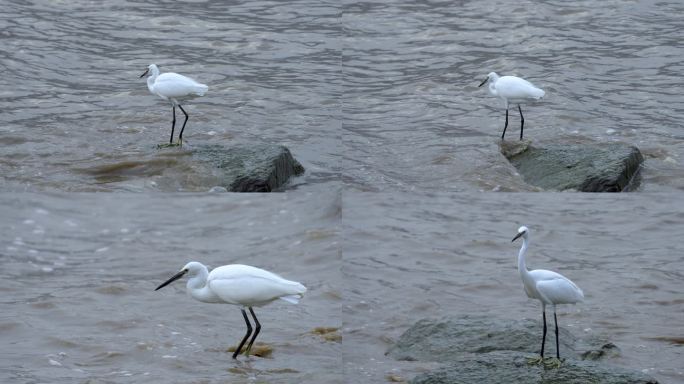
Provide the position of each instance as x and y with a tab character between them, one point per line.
249	167
511	367
258	349
481	349
605	167
328	333
443	339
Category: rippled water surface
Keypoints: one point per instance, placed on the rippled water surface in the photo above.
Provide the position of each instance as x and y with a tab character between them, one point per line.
414	117
71	96
79	272
412	256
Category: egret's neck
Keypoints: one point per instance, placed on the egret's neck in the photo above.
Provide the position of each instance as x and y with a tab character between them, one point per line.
154	72
493	78
198	289
522	268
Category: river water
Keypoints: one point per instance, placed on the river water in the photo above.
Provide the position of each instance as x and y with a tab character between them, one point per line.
79	272
412	256
414	117
72	100
377	98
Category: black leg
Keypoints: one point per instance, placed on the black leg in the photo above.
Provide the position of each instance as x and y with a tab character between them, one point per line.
180	137
173	124
544	334
556	321
522	121
505	125
249	331
256	331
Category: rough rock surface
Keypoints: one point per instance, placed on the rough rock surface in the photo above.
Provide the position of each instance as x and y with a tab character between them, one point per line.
443	339
604	167
249	167
477	349
511	368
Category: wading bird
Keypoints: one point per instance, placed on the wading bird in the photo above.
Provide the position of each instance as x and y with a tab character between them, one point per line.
550	288
240	285
512	89
172	86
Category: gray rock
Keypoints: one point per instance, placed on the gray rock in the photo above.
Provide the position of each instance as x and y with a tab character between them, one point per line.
477	349
442	339
511	368
249	167
606	167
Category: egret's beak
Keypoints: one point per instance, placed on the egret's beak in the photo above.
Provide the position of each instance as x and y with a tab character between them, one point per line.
481	84
518	235
147	70
172	279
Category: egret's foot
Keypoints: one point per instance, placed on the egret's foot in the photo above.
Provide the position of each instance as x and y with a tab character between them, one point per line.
537	360
180	142
553	362
167	145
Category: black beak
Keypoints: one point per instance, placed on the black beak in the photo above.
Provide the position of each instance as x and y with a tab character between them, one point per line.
147	70
517	236
481	84
172	279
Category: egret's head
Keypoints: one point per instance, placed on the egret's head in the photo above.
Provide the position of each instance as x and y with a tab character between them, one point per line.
186	269
522	232
152	69
490	76
193	268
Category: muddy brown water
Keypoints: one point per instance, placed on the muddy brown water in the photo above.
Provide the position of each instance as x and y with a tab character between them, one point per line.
412	256
374	96
79	273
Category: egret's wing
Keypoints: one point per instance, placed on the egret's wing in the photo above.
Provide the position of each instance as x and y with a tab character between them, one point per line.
560	290
250	290
175	85
243	284
516	88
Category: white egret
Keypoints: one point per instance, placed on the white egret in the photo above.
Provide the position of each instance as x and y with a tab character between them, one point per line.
550	288
515	89
172	86
238	285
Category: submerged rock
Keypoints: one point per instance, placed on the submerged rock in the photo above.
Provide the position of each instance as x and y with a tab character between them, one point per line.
511	368
444	339
238	167
606	167
478	349
249	167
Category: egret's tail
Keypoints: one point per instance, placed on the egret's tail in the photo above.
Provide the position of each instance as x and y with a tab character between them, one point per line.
538	93
294	299
201	89
296	293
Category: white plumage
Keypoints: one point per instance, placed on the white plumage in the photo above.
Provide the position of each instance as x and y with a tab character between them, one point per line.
240	285
252	287
549	287
172	86
512	89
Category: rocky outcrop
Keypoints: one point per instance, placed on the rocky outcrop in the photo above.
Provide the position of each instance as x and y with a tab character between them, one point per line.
249	168
604	167
511	368
485	350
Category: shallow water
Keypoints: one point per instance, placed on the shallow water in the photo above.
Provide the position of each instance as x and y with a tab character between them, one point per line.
79	272
412	256
414	117
72	100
